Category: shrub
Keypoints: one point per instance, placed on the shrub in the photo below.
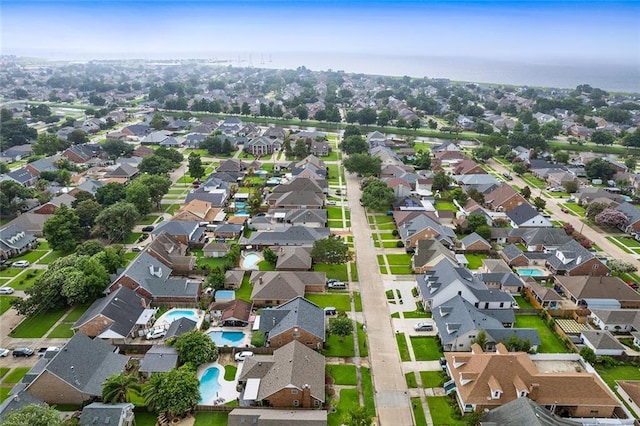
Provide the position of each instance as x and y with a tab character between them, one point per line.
399	244
258	339
414	291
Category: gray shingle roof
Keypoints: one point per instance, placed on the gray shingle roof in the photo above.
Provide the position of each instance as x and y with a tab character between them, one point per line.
522	213
298	312
601	339
569	256
421	222
427	250
511	252
292	236
15	237
159	359
98	413
180	326
523	411
631	211
474	238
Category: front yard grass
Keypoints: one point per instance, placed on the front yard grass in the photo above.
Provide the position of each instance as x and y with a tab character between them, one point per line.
349	401
425	348
399	259
357	301
149	220
441	411
401	269
334	213
362	340
403	347
381	219
15	375
10	272
132	238
575	208
475	260
533	181
550	342
343	374
410	378
339	347
341	302
31	256
36	326
387	226
27	280
418	412
354	272
431	379
367	392
62	331
338	272
51	257
335	223
5	303
416	314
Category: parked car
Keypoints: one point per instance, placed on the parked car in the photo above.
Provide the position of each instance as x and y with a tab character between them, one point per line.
137	249
156	333
507	176
564	210
4	352
331	203
148	228
330	310
6	290
26	352
21	264
423	326
241	356
338	285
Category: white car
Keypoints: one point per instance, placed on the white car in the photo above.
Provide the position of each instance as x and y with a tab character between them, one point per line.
241	356
21	264
4	352
331	203
423	326
6	290
156	333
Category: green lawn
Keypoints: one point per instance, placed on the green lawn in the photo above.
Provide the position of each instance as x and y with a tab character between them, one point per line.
334	213
399	259
341	302
354	272
3	371
401	270
425	348
615	241
446	205
335	223
410	378
37	326
209	419
230	372
244	292
620	372
62	331
338	272
403	347
144	418
381	219
342	374
389	244
431	379
339	347
149	220
418	412
76	312
5	303
441	411
475	260
132	238
4	393
362	341
31	256
10	272
416	314
367	392
387	226
349	400
550	343
523	302
533	181
266	266
576	208
15	375
51	257
357	301
27	280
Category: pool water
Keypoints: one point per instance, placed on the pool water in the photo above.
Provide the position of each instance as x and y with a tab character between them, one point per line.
251	261
226	338
210	384
240	205
225	295
175	314
530	272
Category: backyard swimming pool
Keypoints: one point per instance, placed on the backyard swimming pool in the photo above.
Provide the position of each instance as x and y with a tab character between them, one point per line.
210	384
224	295
227	338
251	261
174	314
530	272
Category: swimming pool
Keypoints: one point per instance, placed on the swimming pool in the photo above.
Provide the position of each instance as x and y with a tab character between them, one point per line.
251	261
240	205
227	338
175	314
225	295
530	272
210	384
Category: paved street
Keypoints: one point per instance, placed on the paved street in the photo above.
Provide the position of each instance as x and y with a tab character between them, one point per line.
392	398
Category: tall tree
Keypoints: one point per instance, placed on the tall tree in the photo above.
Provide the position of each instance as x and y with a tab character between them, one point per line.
377	195
33	415
157	122
196	170
175	392
599	168
117	221
116	387
300	150
441	181
63	230
354	144
110	194
138	194
330	250
158	187
363	164
196	348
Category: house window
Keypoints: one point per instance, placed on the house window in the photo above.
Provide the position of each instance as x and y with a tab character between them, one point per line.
294	391
496	394
595	266
316	403
296	403
594	412
501	304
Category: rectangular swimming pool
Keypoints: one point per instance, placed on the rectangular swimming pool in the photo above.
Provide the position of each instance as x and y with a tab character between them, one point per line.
530	272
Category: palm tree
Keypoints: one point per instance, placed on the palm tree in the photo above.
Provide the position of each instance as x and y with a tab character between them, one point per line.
116	387
150	392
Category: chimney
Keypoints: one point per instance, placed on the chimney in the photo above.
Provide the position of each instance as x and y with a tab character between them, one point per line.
143	303
306	397
533	391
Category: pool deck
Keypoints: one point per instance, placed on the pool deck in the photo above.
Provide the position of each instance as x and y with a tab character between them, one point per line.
253	267
245	343
227	389
163	321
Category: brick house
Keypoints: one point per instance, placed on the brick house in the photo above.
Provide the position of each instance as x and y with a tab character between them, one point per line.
298	319
15	240
293	376
468	167
504	198
275	288
583	290
428	254
475	243
573	259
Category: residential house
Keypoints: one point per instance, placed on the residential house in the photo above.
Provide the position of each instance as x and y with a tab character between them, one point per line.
401	188
117	317
468	167
298	319
602	343
588	195
573	259
505	281
214	191
46	164
231	313
320	148
75	374
296	200
633	217
172	253
504	198
233	279
543	297
275	132
180	326
299	184
523	411
539	239
617	320
446	146
597	292
275	288
15	240
55	203
278	219
263	146
560	179
293	258
235	165
215	249
198	211
32	223
459	322
227	231
428	254
155	138
525	216
122	173
486	380
293	376
296	235
22	176
475	243
98	413
273	417
150	278
629	391
184	232
158	359
445	280
423	227
376	139
16	153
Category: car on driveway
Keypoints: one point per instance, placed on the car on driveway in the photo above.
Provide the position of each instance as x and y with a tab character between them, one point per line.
137	249
4	352
423	326
241	356
6	290
21	264
156	333
148	228
26	352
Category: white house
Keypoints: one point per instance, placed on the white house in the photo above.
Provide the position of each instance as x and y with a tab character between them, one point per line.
602	342
525	216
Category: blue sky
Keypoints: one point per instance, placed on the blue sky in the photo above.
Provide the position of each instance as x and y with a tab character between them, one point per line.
497	29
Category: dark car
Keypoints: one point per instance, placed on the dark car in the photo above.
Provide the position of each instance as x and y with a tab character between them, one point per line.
147	228
26	352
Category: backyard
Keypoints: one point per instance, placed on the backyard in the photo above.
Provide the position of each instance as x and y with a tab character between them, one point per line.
550	342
